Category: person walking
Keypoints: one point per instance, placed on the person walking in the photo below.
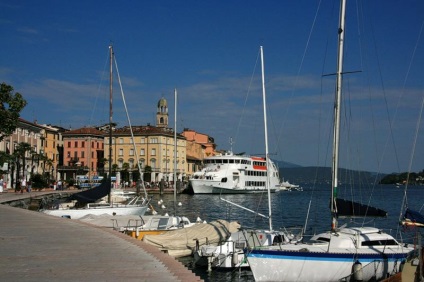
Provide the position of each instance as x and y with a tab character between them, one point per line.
29	186
23	185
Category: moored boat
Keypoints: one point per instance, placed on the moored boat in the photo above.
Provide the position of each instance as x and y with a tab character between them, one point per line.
342	253
234	174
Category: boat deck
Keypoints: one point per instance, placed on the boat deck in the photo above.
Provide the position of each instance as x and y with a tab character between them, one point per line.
38	247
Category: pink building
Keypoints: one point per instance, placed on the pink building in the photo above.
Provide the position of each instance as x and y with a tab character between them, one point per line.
83	152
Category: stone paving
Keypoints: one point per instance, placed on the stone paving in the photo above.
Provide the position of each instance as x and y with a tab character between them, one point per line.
38	247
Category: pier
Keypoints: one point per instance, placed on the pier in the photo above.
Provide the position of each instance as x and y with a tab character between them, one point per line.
38	247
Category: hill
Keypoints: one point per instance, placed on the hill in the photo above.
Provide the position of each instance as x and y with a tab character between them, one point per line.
299	174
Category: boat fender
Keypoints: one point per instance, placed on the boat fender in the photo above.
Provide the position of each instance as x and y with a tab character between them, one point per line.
234	259
357	271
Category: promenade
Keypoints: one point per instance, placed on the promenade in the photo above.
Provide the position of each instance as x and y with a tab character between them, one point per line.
38	247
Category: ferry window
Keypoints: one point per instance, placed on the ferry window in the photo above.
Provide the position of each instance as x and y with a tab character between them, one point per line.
225	161
231	161
224	179
237	161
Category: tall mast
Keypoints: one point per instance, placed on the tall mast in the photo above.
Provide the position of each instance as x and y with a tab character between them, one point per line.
110	115
175	152
266	141
337	108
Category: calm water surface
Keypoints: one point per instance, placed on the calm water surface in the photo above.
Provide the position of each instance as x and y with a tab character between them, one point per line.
290	209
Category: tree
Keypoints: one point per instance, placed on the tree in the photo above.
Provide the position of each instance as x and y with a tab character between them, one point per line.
10	108
20	153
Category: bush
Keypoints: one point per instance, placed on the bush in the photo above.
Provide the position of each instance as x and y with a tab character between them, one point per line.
38	182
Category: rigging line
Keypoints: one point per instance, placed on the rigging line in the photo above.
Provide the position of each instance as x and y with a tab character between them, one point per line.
405	202
298	71
414	144
98	88
129	123
247	96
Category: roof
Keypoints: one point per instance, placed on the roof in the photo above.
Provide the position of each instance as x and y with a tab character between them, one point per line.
84	131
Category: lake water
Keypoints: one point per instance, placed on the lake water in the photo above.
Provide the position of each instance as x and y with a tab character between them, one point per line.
290	209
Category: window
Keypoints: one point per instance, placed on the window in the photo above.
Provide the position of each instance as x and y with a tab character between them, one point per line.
120	163
153	163
121	140
121	152
142	152
142	140
82	154
153	152
75	155
153	140
76	144
82	144
131	152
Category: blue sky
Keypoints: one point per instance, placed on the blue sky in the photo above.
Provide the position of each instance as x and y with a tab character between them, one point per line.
55	53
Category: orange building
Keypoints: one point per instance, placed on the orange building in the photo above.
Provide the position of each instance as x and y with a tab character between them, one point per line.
83	153
199	146
205	140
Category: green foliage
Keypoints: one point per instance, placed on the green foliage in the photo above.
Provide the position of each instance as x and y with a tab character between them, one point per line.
10	108
38	181
401	178
4	158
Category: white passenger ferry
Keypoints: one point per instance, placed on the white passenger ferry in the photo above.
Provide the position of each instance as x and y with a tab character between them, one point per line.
234	174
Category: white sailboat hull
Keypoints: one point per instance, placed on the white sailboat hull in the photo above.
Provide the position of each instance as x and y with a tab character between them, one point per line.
79	213
286	268
331	257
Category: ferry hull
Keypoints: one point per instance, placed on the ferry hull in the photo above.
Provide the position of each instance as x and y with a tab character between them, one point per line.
214	187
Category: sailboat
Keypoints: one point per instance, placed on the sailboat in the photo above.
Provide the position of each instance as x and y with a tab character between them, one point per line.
159	224
229	253
88	201
342	253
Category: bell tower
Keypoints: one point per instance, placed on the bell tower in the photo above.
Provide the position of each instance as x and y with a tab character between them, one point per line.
162	113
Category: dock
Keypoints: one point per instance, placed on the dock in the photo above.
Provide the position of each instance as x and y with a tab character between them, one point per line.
38	247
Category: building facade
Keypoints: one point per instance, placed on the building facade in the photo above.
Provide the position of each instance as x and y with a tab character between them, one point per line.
17	169
153	147
83	150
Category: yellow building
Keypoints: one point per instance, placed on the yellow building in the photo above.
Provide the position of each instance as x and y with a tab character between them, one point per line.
52	149
153	147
